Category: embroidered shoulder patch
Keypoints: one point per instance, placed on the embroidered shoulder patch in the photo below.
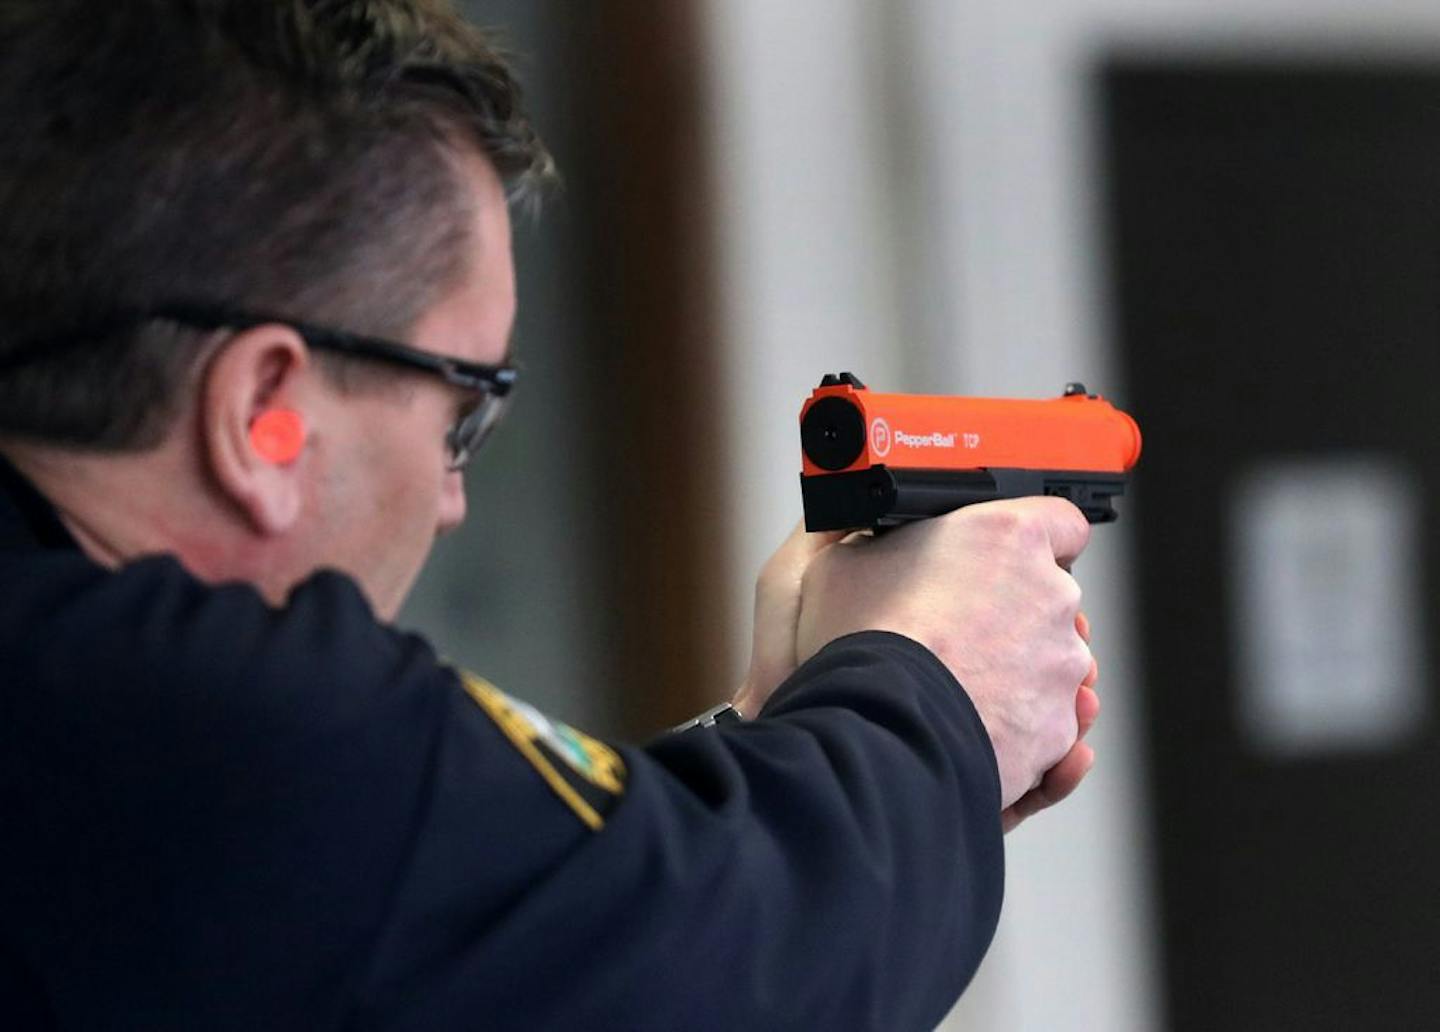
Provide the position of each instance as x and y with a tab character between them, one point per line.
587	774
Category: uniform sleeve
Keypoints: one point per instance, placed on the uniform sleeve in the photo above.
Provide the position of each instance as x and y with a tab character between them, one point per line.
835	864
230	817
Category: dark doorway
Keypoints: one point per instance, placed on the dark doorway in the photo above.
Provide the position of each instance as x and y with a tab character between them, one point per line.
1276	235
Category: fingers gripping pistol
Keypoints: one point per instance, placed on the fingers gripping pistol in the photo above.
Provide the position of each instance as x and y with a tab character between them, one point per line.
879	460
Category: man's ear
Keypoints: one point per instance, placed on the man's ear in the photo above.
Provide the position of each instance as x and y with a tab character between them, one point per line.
253	424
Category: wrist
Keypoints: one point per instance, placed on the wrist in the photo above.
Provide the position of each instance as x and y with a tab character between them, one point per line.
725	713
755	692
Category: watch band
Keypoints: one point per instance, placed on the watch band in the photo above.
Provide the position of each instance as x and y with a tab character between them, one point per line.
724	713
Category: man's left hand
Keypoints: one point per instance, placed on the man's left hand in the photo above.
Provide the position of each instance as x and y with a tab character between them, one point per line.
777	616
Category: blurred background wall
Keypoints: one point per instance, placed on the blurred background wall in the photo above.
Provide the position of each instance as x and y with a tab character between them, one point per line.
978	197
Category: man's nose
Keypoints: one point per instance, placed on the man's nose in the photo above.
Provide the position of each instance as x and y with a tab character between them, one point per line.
452	503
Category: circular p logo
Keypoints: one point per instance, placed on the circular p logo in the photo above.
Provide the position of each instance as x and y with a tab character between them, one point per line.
880	438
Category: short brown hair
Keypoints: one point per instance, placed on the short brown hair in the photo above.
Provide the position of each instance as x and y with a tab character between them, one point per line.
290	156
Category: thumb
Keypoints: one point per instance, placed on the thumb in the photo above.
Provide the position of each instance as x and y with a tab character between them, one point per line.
777	611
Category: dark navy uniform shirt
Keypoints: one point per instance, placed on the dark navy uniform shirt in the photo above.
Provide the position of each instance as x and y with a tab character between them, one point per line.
221	815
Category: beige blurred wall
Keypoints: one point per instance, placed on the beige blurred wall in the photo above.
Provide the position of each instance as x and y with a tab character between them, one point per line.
907	189
910	190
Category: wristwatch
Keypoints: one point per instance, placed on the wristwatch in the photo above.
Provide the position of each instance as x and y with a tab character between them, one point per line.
724	713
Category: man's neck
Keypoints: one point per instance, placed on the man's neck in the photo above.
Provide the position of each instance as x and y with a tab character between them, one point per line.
122	506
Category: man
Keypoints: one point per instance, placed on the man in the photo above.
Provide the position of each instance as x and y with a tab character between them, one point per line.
255	299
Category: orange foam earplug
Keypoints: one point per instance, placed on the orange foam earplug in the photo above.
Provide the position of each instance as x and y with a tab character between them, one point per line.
278	436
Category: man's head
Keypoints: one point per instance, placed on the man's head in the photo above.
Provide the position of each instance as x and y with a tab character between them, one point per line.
344	163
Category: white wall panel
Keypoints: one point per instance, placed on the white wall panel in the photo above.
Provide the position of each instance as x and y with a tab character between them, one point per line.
912	190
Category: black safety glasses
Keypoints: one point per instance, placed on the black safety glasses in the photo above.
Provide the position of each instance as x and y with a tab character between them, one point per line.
490	384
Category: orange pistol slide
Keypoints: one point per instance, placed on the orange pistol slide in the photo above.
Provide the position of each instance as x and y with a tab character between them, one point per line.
879	460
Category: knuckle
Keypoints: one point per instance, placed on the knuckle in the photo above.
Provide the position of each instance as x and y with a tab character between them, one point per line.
1062	596
1069	665
1068	513
1030	533
992	518
1078	662
1072	595
1066	736
1056	743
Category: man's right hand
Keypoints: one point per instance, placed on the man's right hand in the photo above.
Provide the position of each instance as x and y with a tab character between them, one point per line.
985	589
